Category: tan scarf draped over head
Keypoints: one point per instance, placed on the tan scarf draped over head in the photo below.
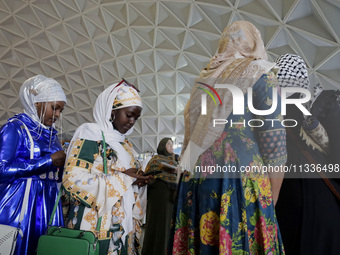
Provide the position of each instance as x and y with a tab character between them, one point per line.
240	61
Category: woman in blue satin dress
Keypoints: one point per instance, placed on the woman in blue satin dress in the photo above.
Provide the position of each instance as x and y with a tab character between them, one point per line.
43	100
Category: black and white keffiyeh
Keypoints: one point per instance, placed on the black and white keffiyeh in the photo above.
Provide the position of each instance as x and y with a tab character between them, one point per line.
292	71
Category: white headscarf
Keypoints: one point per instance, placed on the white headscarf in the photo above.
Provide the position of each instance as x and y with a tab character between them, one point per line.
102	113
39	88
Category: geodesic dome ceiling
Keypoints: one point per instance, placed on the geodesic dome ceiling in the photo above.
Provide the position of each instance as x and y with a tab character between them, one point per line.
160	46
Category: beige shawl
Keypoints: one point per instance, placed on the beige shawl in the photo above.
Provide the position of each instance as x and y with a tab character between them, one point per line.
240	61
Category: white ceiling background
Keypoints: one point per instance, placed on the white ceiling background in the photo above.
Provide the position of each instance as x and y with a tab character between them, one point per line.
160	46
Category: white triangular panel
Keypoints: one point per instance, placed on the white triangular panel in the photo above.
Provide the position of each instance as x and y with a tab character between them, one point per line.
192	44
200	21
260	9
136	141
327	82
146	9
45	12
179	128
169	122
147	58
219	16
314	50
26	55
136	19
152	103
166	83
117	10
176	36
219	3
149	125
167	105
209	41
138	43
147	84
181	103
331	67
166	18
179	9
149	143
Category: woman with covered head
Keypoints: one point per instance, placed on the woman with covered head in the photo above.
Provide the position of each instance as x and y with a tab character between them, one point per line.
226	199
43	100
161	192
117	196
307	209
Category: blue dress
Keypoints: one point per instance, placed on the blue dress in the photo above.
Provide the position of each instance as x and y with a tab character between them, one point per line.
232	212
15	167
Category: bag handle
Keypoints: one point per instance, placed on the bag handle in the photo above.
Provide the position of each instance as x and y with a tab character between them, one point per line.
60	190
104	159
99	223
312	161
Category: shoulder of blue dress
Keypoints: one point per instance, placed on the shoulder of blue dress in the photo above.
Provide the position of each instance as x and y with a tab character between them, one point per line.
11	126
23	117
14	122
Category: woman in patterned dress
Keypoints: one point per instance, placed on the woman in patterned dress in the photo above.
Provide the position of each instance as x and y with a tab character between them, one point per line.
232	211
118	196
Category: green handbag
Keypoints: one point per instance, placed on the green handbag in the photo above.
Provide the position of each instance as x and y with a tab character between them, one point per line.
64	241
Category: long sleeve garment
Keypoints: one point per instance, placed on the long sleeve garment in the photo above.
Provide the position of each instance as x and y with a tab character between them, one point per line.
111	196
15	167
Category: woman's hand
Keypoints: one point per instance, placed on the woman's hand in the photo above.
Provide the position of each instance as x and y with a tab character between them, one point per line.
58	158
141	180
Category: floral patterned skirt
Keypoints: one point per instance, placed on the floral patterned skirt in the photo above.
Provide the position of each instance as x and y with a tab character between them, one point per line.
225	216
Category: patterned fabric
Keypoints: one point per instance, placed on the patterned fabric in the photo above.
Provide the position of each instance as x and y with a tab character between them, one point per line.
234	214
240	61
315	135
293	71
102	114
110	196
85	181
164	173
126	96
273	139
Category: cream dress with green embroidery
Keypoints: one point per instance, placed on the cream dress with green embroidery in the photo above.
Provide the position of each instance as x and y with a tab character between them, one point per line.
112	195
